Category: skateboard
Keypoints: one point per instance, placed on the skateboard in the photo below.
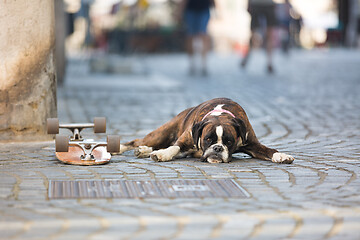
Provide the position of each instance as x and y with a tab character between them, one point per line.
79	151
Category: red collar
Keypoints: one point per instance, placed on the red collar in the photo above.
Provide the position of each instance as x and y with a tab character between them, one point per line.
218	110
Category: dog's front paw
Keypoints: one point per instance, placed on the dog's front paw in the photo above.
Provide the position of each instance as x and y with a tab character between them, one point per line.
282	158
160	155
143	152
164	155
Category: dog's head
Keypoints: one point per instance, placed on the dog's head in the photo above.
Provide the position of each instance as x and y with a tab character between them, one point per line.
219	138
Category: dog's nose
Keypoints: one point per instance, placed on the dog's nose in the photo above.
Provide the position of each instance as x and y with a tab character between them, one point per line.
218	148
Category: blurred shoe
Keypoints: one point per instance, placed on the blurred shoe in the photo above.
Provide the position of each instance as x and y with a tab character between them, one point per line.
204	72
270	69
191	71
243	63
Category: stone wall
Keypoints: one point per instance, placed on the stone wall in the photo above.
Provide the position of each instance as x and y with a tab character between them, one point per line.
27	69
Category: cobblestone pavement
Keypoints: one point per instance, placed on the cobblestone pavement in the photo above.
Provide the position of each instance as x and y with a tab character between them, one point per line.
310	108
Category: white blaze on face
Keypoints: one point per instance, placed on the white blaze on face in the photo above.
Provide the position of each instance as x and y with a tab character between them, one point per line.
219	133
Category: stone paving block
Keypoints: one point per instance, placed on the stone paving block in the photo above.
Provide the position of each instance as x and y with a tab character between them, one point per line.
11	229
157	227
198	227
275	229
237	226
349	228
32	196
113	176
42	230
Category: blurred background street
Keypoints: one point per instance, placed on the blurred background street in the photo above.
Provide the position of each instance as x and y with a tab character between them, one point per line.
127	60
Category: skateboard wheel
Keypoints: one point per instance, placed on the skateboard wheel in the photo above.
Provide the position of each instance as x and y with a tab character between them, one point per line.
61	143
113	144
52	125
99	125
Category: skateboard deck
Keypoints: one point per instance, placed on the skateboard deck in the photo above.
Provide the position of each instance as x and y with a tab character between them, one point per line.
73	156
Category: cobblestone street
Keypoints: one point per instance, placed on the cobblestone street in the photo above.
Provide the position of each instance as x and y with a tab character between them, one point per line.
310	108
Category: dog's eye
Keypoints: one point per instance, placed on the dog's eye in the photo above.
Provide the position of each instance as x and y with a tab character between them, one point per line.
229	143
208	140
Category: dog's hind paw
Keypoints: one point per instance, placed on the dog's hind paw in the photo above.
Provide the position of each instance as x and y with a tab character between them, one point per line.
282	158
123	149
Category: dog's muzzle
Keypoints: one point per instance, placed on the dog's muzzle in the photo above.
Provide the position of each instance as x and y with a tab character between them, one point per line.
216	154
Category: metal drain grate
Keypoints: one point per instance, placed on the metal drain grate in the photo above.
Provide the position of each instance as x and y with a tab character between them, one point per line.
222	188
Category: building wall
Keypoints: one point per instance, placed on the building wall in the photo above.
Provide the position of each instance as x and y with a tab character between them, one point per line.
27	71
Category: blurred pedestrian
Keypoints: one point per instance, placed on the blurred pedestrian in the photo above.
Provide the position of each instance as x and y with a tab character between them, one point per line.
262	17
196	14
284	19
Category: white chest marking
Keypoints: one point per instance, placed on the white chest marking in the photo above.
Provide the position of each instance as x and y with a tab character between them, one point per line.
219	133
218	110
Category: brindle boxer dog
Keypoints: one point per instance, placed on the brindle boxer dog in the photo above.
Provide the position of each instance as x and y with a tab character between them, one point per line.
211	131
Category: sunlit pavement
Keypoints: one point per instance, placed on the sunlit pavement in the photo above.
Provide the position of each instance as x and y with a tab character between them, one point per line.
310	108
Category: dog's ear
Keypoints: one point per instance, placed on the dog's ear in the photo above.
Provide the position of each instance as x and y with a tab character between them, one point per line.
240	129
197	131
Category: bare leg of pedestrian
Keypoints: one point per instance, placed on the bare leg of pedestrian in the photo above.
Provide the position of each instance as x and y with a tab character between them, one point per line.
190	51
204	51
245	59
269	48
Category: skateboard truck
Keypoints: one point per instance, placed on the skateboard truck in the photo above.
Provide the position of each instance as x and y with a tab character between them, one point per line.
99	126
62	144
79	151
